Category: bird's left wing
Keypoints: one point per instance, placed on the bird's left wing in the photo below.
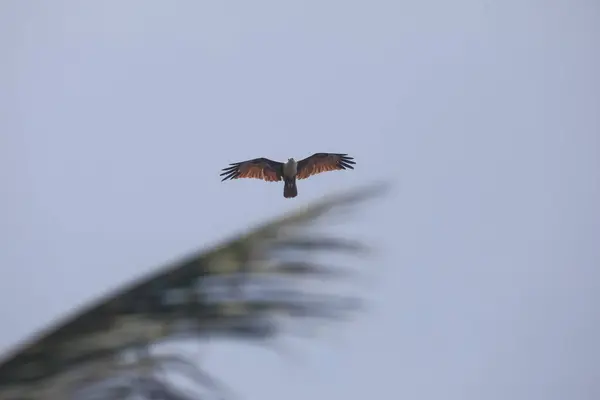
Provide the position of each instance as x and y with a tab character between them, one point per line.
323	162
258	168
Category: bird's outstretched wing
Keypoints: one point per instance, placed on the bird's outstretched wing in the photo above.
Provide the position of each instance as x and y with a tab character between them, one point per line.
323	162
240	289
258	168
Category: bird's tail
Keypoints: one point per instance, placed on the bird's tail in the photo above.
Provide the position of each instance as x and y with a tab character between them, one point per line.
290	189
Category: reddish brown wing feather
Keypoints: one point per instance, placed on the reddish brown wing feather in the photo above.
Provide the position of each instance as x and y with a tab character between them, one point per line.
258	168
323	162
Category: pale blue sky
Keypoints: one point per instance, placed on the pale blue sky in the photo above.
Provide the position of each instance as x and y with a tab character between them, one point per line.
116	116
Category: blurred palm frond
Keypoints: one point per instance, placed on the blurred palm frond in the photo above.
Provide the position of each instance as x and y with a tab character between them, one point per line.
240	289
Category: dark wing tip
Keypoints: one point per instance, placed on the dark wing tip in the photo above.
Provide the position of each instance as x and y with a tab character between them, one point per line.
346	162
232	171
229	173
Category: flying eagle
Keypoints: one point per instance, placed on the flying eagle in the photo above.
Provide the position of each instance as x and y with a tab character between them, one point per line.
274	171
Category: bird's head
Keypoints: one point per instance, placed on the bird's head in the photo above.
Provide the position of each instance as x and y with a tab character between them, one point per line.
291	160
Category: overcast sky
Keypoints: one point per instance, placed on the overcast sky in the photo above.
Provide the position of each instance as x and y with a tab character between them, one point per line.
116	116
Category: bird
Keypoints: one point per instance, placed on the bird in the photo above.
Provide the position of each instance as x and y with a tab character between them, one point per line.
275	171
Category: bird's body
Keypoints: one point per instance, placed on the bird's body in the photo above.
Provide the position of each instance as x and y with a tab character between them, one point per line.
290	171
290	168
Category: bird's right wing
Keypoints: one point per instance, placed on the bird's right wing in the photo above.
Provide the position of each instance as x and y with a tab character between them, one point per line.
258	168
